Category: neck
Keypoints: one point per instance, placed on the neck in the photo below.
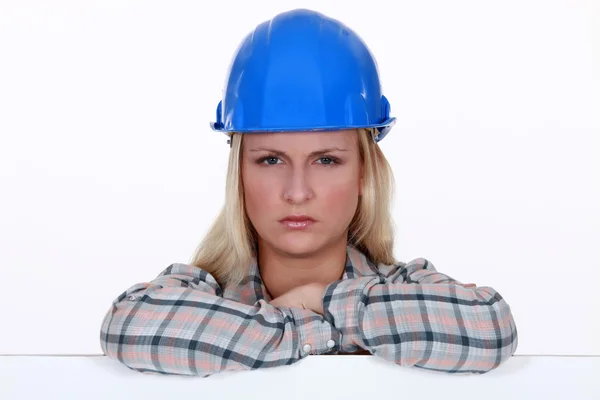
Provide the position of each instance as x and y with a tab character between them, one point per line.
282	272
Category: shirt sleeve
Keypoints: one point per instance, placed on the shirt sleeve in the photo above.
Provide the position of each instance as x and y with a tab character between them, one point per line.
416	316
179	323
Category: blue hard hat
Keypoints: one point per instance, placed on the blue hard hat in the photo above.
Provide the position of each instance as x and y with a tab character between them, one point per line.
302	71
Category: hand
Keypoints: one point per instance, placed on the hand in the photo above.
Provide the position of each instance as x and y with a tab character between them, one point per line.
310	294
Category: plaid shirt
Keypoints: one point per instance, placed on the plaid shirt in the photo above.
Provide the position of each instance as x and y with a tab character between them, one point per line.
184	323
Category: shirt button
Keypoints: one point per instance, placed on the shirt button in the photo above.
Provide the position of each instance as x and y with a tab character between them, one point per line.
131	297
306	348
330	343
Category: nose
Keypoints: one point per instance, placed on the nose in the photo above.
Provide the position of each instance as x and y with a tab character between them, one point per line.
297	188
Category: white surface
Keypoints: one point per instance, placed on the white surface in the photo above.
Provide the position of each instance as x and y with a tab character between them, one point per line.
317	377
109	171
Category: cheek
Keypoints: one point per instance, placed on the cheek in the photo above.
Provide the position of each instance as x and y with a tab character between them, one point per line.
260	194
338	198
336	194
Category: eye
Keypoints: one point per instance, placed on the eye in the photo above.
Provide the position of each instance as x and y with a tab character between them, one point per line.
327	160
270	160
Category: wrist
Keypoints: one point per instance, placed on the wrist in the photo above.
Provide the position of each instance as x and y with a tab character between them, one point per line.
315	295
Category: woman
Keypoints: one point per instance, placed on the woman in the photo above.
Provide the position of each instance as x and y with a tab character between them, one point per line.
299	261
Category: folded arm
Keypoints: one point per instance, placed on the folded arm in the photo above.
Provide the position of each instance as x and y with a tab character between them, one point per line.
179	323
413	315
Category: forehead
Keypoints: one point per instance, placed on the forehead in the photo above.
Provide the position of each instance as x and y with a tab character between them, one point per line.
309	140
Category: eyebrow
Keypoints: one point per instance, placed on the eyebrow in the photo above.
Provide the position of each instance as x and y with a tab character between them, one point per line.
313	154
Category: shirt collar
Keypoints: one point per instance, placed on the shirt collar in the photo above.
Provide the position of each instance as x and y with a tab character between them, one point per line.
357	265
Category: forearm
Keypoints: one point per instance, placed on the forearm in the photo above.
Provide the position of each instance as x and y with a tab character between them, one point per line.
178	325
443	327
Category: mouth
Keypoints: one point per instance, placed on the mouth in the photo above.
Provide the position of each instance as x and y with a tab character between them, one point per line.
297	222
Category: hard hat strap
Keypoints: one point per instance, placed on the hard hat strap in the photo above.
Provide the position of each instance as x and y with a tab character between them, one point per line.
374	135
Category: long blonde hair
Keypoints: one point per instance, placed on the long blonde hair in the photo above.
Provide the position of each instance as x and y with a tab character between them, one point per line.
231	242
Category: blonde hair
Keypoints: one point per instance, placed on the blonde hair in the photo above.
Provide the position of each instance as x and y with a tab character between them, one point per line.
231	241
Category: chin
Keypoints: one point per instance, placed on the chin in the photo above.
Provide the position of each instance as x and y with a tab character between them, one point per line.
297	245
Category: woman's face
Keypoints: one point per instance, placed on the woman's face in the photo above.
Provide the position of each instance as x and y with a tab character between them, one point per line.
301	188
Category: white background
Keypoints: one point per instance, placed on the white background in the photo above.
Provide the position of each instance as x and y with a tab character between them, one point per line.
109	171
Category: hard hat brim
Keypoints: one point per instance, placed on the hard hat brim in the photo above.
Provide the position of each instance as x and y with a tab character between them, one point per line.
383	128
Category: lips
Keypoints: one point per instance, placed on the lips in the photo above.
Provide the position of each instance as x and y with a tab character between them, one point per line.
297	218
297	222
